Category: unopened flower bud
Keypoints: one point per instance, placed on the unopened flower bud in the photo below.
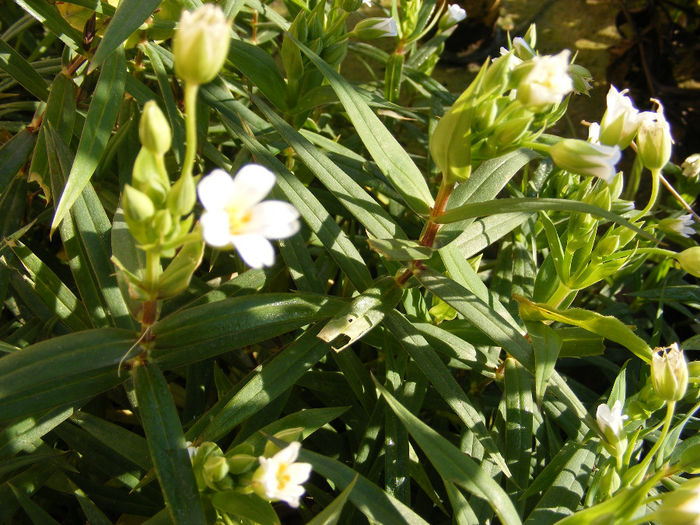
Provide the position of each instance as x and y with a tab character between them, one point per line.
351	5
607	246
147	177
154	130
689	259
371	28
547	81
586	158
610	421
669	373
201	43
691	166
138	208
654	141
182	196
215	468
620	121
453	15
682	225
680	507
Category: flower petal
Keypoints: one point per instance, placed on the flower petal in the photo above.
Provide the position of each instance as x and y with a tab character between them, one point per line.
255	250
288	454
215	228
251	184
274	220
299	472
216	190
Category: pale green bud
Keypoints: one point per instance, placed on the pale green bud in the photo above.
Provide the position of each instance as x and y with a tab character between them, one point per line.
620	121
215	468
654	141
162	222
182	196
154	130
351	5
240	463
371	28
138	208
201	43
680	507
669	373
691	166
454	14
607	246
148	178
586	158
511	132
689	259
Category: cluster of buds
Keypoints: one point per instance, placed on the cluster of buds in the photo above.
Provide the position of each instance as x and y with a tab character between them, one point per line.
154	209
274	476
511	102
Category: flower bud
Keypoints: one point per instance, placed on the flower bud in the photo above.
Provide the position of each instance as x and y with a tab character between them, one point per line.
453	15
680	507
689	259
201	43
691	166
371	28
654	141
352	5
607	246
547	81
610	421
586	158
138	208
182	196
669	373
215	469
620	121
154	130
147	178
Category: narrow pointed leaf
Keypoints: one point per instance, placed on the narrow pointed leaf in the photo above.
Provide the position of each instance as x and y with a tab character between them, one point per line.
99	122
166	443
22	71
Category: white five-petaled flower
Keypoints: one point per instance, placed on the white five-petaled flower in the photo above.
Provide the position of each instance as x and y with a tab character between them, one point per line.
547	82
280	477
610	420
620	121
235	215
681	225
453	15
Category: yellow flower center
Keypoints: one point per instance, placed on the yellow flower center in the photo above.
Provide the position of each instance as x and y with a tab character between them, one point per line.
283	477
237	221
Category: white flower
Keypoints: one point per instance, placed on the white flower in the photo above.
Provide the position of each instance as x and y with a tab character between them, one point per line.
376	27
691	166
234	214
279	478
610	420
387	27
654	141
681	225
368	3
620	121
452	16
200	44
586	158
547	82
594	133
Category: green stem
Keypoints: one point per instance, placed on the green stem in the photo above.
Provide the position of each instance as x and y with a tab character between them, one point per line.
644	465
658	251
152	272
652	198
190	127
559	295
542	148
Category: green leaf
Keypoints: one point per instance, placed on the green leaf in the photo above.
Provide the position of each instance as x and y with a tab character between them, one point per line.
129	16
400	249
99	122
331	514
56	295
453	465
376	504
61	370
348	192
510	205
247	506
577	342
364	313
607	326
13	154
208	330
36	514
260	68
482	233
9	465
392	159
567	489
267	383
166	443
480	314
546	345
47	14
519	420
442	380
24	434
22	71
